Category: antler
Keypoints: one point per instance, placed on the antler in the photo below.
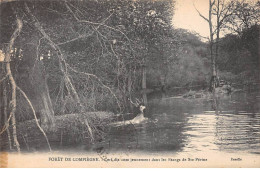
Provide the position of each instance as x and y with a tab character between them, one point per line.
137	103
137	100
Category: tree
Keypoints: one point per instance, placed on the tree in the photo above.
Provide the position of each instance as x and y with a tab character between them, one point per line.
13	84
245	14
139	20
223	11
213	80
239	55
39	89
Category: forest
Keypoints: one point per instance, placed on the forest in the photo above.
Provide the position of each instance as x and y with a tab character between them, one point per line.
69	68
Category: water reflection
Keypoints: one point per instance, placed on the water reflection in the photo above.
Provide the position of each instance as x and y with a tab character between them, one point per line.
190	126
234	128
238	132
200	131
163	132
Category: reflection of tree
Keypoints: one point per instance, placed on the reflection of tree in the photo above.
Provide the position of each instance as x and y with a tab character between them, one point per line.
168	124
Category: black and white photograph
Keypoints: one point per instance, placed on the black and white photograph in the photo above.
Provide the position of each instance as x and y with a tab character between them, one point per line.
129	83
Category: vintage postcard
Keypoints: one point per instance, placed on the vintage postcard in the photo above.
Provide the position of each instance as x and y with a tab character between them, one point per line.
129	83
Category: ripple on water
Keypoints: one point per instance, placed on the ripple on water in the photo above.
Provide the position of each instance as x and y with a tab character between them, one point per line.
224	132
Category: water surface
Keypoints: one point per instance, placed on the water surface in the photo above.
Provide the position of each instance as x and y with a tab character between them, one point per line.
178	125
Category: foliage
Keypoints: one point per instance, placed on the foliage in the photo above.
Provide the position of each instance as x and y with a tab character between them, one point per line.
245	14
240	55
103	43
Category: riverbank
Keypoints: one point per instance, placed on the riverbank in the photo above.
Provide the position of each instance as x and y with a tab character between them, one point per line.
69	129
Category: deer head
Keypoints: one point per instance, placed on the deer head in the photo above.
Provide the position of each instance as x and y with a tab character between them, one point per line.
138	103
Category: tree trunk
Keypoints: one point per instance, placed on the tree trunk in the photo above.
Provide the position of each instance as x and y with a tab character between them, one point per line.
129	87
144	84
63	68
129	83
61	98
213	59
5	105
35	84
144	77
217	39
43	100
12	81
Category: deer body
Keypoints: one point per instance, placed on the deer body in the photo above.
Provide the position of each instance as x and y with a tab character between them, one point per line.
138	119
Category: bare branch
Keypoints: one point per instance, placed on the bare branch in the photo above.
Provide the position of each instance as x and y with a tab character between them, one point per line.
63	65
77	38
98	24
204	37
212	3
135	104
3	79
37	52
225	12
6	125
35	117
94	76
138	101
200	13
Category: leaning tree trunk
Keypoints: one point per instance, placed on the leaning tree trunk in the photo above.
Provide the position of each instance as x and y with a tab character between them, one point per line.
62	66
35	84
44	103
12	82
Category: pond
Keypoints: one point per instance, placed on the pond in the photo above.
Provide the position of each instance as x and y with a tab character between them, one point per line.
178	125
